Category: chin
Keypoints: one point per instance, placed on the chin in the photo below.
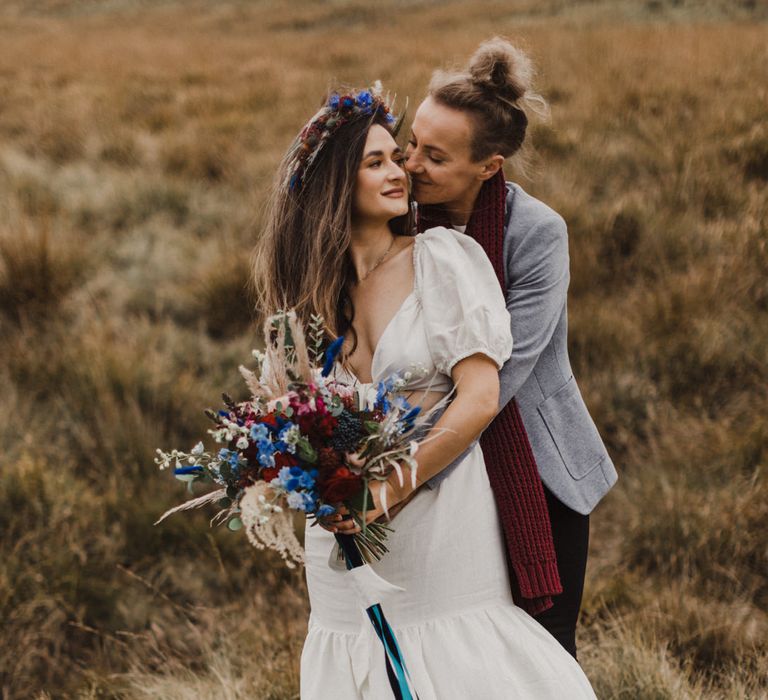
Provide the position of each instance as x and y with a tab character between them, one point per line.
394	212
427	197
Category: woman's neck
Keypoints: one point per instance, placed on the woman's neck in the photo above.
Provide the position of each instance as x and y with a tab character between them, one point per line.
460	210
370	241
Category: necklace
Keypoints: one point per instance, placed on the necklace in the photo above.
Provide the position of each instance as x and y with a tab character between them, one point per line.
378	262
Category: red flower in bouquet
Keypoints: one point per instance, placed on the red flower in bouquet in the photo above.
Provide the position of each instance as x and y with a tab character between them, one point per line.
283	459
328	460
340	486
318	427
269	473
270	419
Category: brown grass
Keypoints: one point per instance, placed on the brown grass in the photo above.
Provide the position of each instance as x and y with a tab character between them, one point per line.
136	147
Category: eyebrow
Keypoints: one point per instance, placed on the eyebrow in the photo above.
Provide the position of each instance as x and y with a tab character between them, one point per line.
429	147
379	154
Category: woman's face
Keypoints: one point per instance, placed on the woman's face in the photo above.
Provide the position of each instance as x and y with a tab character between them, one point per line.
381	189
439	154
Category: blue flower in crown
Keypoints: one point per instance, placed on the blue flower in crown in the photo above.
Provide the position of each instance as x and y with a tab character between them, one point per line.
365	101
339	109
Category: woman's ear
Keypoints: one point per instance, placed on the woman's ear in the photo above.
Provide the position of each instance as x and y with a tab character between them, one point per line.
491	166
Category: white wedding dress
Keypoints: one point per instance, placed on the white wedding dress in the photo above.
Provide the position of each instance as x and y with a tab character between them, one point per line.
461	635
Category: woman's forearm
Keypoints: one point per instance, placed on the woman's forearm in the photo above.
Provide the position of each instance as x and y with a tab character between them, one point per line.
459	426
462	422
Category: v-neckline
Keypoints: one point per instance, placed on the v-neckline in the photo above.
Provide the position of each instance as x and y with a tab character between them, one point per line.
411	294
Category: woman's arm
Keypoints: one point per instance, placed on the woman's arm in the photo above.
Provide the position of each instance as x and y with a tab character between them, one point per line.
477	398
472	409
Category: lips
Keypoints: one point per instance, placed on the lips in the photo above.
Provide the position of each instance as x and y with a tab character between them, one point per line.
394	192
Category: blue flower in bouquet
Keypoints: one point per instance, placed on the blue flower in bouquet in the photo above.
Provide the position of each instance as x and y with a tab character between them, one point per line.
330	355
383	388
409	417
307	479
289	478
259	431
288	437
325	510
229	456
183	471
299	500
266	453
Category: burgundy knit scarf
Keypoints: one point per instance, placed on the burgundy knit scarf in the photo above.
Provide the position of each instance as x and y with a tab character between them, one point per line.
509	459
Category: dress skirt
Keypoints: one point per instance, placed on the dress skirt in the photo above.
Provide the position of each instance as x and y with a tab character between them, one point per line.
460	633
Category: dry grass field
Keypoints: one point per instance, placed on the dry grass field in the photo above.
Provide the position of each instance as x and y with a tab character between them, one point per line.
137	141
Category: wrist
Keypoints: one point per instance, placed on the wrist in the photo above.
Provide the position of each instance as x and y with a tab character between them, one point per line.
396	492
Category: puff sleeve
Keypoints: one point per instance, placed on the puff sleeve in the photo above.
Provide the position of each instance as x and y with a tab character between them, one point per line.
462	302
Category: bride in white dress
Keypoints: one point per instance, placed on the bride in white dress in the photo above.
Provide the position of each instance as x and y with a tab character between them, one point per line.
429	302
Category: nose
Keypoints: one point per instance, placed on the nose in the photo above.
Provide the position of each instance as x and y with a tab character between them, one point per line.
395	171
413	162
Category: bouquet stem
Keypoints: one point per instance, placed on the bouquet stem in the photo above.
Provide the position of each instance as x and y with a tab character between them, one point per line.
365	546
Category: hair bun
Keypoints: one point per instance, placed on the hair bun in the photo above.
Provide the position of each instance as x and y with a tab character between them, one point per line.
500	67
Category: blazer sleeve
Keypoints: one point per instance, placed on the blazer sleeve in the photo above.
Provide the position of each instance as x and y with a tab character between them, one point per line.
537	287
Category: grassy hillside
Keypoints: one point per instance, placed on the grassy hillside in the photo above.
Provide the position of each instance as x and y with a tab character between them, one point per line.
137	141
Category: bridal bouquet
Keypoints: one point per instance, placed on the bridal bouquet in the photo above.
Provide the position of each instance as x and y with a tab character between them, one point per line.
286	449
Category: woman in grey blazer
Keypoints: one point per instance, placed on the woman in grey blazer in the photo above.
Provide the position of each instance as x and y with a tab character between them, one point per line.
461	134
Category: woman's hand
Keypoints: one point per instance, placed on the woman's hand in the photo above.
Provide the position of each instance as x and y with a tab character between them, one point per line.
397	498
341	522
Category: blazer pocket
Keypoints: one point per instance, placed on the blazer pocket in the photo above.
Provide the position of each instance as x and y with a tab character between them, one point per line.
572	430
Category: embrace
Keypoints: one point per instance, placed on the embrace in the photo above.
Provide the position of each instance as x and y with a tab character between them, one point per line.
427	258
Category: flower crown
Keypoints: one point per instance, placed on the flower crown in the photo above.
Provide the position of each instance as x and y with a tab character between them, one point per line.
339	110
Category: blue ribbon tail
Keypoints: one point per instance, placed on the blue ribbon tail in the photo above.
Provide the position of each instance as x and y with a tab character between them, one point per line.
397	672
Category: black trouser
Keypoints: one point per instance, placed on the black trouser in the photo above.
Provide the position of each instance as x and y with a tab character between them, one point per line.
570	531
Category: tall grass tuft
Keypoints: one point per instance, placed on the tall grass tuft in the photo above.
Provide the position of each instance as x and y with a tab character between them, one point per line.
38	268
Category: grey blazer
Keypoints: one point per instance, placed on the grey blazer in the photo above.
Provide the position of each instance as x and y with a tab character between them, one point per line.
571	457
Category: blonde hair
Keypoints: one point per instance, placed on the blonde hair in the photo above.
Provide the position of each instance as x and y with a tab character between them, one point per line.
496	90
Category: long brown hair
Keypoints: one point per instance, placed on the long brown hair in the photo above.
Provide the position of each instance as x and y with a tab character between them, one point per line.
302	259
